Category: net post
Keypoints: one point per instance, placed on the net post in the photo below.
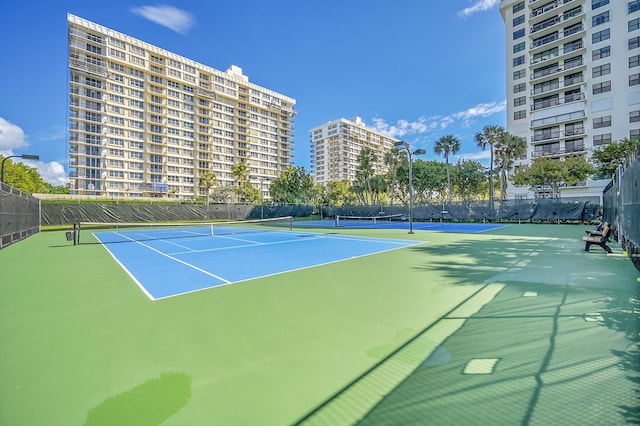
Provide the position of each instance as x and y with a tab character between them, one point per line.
337	221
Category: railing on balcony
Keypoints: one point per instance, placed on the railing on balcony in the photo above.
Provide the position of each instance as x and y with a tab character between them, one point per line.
557	152
547	7
547	103
556	134
557	85
556	36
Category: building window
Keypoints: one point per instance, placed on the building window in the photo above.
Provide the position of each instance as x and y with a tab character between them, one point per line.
519	101
634	134
634	116
601	70
519	115
634	79
633	24
518	7
518	61
517	75
634	61
600	139
598	3
518	20
634	6
519	47
603	87
602	122
603	52
519	87
518	34
634	43
600	19
601	36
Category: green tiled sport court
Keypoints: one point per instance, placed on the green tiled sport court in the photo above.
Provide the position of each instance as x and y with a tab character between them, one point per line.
517	325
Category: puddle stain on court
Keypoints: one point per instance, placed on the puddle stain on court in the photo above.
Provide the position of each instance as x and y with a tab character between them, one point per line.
150	403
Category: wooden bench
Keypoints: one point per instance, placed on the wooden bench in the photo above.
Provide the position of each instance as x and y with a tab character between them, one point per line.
599	240
598	231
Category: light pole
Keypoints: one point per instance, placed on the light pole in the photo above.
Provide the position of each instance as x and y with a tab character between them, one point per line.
23	156
261	180
405	145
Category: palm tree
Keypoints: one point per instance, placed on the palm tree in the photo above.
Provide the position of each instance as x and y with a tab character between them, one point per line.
508	148
366	161
393	159
490	135
447	145
208	180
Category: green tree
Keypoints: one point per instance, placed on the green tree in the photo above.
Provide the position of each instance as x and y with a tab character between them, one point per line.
378	185
340	192
366	162
446	146
208	180
294	185
469	179
429	181
61	189
23	177
507	150
608	157
490	136
545	172
393	159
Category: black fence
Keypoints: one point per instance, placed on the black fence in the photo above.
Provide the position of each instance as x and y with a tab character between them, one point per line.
621	206
19	215
538	210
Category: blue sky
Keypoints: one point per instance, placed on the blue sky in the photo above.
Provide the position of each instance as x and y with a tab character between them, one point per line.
414	69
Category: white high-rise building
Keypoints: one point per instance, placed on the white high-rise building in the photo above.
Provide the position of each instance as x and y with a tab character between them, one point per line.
144	121
335	147
573	78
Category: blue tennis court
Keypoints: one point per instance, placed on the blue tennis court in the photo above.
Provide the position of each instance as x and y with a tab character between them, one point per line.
166	264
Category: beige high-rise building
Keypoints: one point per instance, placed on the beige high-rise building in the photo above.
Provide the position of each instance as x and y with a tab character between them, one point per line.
573	78
146	122
335	147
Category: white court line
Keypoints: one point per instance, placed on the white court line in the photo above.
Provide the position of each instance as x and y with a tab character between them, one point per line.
175	259
255	243
293	270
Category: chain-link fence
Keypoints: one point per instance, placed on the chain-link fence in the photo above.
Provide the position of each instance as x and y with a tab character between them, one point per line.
19	215
564	210
621	206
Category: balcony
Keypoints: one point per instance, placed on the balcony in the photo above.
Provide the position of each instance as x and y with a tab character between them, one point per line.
88	68
548	103
556	6
556	134
557	36
558	85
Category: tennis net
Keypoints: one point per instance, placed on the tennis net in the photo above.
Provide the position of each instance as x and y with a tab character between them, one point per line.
366	221
114	232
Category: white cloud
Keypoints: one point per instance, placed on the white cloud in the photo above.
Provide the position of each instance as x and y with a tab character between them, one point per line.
11	137
424	124
52	173
168	16
480	110
479	6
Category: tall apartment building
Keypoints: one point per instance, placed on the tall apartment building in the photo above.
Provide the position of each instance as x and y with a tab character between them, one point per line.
335	147
573	77
144	121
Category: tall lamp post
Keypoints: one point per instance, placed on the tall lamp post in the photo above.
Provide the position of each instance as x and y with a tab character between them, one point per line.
261	180
405	145
23	156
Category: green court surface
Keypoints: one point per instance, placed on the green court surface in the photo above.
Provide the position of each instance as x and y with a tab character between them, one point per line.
517	325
